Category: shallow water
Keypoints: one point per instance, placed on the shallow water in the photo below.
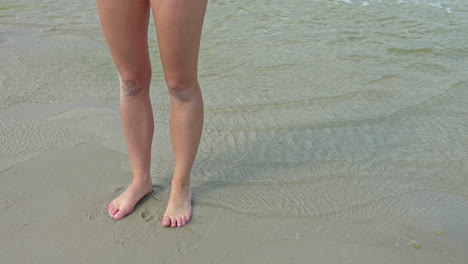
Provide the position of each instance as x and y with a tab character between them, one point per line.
341	111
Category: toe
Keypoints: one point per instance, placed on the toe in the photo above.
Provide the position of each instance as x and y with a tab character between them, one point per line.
116	215
173	222
120	214
110	207
112	210
180	222
166	221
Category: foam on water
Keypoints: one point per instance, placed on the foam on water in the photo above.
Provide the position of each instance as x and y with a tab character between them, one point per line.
437	4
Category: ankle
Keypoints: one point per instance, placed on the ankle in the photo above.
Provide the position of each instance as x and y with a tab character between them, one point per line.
180	184
142	180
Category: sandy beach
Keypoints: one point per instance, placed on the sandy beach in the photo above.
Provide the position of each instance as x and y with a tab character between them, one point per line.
53	207
334	133
69	224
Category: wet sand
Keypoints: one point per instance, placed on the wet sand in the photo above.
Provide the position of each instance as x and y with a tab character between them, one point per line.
53	207
55	210
335	132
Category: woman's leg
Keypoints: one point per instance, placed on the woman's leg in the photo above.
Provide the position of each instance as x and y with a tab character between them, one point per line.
125	27
179	26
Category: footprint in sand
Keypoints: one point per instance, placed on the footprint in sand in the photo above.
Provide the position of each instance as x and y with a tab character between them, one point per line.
188	245
146	215
97	213
7	205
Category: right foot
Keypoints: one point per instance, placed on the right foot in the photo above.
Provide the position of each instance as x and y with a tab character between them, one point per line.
124	204
179	208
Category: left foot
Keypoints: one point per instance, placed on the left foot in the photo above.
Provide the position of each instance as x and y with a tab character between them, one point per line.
179	207
124	204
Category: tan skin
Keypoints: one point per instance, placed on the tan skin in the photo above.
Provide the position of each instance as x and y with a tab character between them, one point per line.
178	27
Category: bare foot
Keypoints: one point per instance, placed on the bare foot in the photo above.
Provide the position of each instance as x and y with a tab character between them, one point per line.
179	207
124	204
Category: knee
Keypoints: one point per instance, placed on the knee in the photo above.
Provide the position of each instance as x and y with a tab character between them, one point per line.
182	91
131	85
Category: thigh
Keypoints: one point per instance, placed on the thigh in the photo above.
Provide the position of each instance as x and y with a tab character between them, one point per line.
178	28
125	27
